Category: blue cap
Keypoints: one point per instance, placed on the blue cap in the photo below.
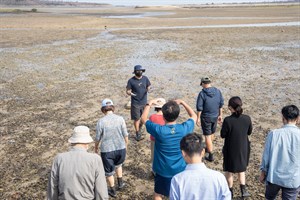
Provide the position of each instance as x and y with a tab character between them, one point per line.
138	68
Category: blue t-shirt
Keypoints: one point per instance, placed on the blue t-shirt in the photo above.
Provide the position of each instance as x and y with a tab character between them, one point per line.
138	87
168	159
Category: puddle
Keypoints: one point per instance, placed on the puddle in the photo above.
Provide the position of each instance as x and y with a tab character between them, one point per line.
40	86
139	15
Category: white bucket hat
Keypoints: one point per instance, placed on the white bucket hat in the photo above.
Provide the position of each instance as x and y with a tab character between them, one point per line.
81	134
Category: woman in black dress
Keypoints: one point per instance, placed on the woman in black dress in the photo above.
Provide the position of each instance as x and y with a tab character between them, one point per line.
236	149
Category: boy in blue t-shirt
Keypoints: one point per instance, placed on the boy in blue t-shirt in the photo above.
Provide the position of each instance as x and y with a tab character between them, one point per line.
168	159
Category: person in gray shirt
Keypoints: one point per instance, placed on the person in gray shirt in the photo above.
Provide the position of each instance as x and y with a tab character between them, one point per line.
112	136
77	174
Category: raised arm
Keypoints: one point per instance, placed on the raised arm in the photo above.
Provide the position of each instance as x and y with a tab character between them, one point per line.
146	111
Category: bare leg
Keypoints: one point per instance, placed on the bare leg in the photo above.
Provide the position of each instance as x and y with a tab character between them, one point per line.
229	178
111	181
119	172
157	196
208	141
136	124
242	178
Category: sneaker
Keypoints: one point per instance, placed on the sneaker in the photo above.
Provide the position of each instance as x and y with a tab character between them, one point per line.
112	192
210	157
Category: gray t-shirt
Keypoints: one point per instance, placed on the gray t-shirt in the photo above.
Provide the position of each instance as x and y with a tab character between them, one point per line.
111	131
77	174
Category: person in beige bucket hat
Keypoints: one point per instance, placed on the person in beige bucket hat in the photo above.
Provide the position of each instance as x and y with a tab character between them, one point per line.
77	173
81	134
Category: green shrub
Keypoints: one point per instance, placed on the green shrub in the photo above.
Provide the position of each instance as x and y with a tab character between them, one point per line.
17	11
33	10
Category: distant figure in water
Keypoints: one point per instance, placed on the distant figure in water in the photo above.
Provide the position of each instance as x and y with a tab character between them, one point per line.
236	149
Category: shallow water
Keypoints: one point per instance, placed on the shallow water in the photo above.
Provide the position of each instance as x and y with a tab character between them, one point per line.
216	26
139	15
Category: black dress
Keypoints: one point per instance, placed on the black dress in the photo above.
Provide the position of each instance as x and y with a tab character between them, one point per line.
236	149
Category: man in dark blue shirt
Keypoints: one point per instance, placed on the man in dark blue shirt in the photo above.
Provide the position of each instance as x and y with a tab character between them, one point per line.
137	87
209	111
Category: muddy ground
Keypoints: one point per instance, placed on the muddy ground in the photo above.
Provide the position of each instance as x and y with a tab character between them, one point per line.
59	63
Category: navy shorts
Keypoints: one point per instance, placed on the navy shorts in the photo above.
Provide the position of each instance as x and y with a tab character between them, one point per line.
162	185
112	160
136	111
209	125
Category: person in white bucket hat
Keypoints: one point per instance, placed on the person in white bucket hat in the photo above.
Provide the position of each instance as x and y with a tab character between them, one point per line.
77	174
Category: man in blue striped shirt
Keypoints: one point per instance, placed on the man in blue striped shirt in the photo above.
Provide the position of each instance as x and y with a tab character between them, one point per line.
280	168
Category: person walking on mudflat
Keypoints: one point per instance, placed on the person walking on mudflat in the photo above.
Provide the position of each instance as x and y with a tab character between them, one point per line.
112	141
236	149
77	174
168	160
138	87
197	181
209	111
280	167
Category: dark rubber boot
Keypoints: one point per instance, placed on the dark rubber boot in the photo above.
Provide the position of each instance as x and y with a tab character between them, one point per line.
231	190
209	157
121	184
244	191
112	191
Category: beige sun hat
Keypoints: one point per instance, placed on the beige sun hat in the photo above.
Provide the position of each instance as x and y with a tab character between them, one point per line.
159	103
81	134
